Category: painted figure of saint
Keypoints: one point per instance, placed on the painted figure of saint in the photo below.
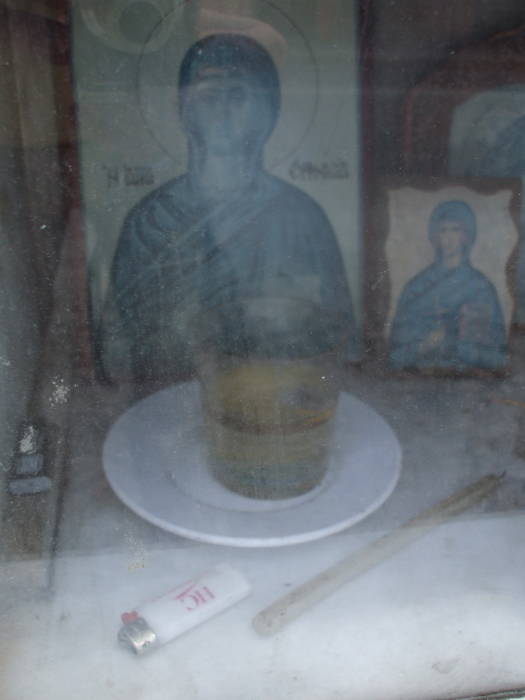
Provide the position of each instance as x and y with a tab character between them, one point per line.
449	316
225	230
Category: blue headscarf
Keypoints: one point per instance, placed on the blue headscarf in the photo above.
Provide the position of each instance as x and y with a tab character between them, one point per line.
239	55
453	210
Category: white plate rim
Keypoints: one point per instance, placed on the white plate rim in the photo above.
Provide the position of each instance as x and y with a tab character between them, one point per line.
179	528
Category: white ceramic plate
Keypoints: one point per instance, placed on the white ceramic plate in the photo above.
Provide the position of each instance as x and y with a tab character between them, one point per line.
155	460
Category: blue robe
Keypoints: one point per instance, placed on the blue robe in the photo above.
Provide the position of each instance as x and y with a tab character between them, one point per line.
176	256
450	319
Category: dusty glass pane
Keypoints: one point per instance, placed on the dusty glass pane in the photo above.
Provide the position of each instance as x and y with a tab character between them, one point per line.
261	349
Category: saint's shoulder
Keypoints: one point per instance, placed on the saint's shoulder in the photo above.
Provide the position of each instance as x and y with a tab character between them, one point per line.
293	200
158	208
480	281
422	279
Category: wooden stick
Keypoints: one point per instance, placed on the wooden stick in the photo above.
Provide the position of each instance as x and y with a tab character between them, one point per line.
273	618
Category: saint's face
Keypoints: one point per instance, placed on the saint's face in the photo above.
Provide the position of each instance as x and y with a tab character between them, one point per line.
222	112
452	238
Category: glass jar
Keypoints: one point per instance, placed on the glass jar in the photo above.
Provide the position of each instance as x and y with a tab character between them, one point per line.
269	385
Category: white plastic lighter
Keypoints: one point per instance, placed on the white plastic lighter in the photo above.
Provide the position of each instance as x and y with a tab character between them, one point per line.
166	617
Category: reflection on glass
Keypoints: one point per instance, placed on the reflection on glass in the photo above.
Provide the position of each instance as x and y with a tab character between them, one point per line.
224	231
